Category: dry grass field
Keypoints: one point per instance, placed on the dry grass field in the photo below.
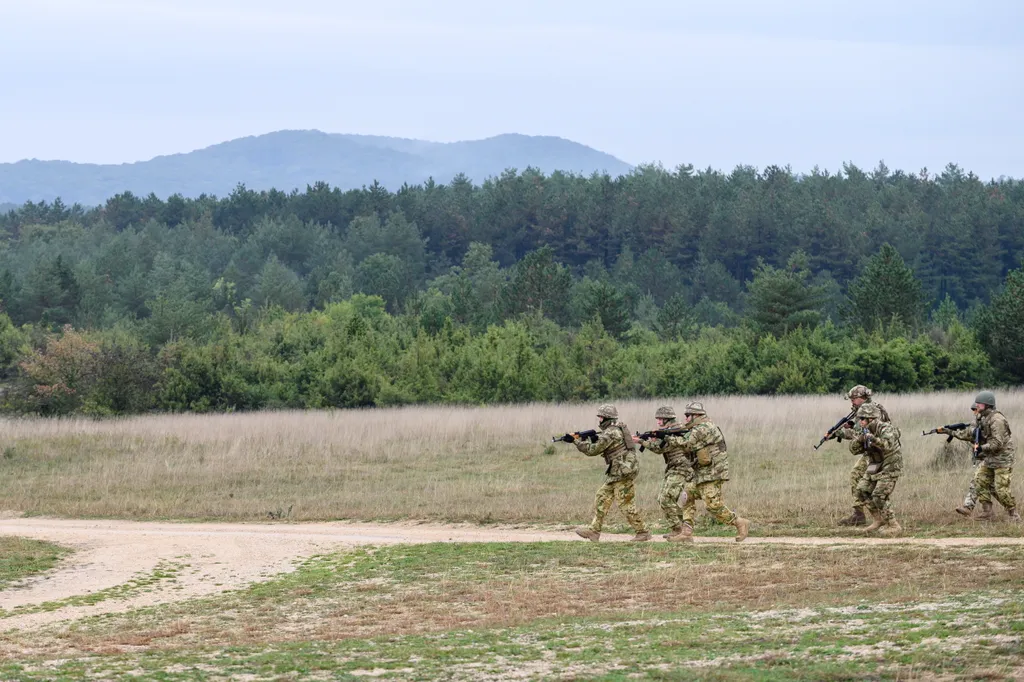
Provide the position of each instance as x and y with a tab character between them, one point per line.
479	464
825	609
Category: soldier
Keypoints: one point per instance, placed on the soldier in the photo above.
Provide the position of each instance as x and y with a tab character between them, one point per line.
704	445
858	395
678	474
879	442
993	476
615	444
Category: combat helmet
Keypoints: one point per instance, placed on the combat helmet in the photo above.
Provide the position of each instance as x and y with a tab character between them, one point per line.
695	408
665	412
607	411
986	398
858	391
869	411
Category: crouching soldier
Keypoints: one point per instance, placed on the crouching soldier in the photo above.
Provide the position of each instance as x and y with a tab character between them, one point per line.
615	444
678	482
879	441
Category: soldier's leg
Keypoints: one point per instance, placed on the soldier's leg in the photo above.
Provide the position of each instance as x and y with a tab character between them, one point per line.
668	498
857	518
711	493
625	494
1001	488
971	498
602	503
984	485
881	496
690	505
855	475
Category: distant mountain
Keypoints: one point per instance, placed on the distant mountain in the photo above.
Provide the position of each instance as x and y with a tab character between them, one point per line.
291	159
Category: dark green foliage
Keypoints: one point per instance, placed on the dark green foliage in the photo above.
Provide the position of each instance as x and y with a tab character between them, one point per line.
1001	327
526	287
886	292
780	300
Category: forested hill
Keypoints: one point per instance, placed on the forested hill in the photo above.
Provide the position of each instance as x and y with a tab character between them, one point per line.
292	159
526	287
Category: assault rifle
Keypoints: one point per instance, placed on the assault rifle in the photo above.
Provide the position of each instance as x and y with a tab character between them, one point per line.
831	433
976	455
946	428
590	434
656	433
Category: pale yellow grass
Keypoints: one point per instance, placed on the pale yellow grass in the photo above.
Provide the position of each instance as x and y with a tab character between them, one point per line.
461	463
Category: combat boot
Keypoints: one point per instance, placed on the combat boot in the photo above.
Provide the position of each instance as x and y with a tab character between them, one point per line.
685	535
965	511
986	512
891	528
642	536
742	526
1014	515
878	521
676	530
589	534
854	519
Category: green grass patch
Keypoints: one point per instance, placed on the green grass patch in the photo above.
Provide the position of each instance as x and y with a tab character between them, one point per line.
21	558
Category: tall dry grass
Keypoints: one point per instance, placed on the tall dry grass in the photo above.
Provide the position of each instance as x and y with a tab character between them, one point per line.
461	463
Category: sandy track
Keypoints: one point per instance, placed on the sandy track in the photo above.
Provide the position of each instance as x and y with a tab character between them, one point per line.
214	557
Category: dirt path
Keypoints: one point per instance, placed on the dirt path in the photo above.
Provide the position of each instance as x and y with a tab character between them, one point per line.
213	557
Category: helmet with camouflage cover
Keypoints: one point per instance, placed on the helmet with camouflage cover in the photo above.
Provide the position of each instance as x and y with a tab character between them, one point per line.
869	411
665	412
695	408
858	391
986	398
607	411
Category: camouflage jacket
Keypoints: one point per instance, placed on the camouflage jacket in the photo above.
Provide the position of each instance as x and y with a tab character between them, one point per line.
851	432
676	460
997	445
615	444
705	447
880	441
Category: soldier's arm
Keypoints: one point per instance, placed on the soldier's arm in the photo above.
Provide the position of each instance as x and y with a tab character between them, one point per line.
655	445
604	441
966	433
999	436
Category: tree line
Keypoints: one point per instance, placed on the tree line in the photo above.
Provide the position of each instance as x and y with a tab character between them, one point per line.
526	287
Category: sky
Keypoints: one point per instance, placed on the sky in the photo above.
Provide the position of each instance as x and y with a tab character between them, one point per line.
713	83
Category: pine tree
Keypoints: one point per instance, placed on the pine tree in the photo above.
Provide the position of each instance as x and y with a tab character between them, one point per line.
885	292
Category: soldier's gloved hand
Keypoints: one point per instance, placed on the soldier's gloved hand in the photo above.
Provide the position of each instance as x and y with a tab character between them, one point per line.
940	430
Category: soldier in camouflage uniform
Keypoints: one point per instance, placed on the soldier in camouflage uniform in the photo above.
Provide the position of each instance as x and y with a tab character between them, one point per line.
615	444
994	475
679	474
704	445
879	442
858	395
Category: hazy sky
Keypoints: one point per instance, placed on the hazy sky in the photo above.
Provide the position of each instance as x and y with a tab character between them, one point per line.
714	83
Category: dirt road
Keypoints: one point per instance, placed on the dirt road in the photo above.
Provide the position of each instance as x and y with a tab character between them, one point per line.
207	558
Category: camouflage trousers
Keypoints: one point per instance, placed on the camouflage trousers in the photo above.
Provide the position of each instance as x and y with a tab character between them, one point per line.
623	492
674	486
875	491
988	483
855	475
711	493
